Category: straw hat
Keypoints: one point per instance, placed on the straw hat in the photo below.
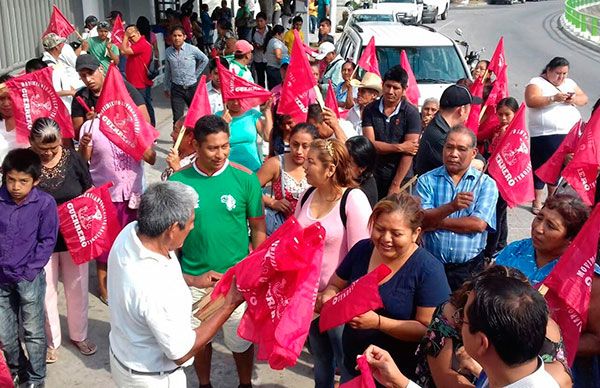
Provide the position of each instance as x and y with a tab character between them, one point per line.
369	81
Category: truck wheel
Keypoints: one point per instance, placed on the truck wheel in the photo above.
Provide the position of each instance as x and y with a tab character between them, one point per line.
444	16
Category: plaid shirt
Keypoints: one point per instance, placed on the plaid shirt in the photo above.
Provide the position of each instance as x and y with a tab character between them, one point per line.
435	189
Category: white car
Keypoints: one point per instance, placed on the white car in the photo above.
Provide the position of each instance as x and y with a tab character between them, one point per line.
370	15
435	59
406	11
442	7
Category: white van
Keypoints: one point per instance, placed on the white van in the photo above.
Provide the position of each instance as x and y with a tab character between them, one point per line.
406	11
434	58
443	6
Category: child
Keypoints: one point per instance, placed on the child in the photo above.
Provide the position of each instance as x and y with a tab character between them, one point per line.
28	230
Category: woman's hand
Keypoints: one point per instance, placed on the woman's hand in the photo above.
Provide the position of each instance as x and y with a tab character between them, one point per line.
208	279
385	371
282	205
90	115
84	141
323	297
368	320
466	363
561	97
227	116
173	159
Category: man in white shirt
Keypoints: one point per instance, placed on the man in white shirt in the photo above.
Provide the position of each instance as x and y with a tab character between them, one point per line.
151	337
213	87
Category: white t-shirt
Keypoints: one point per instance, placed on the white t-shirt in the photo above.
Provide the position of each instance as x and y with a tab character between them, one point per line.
215	99
150	306
557	118
8	140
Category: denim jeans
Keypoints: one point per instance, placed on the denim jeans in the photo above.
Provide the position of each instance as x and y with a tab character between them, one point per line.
327	352
25	301
147	94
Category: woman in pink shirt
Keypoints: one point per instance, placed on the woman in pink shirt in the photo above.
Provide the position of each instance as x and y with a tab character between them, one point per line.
344	213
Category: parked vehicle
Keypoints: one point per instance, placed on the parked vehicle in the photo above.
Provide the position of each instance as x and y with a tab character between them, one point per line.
435	59
430	13
368	15
406	11
443	6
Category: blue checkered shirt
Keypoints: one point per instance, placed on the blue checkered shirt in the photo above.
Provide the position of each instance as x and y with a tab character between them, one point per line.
435	189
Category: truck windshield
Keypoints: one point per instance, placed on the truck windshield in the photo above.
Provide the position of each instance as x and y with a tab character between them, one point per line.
361	18
431	64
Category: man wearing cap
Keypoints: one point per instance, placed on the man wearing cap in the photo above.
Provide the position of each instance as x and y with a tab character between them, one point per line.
369	88
333	63
92	74
242	59
101	47
183	66
455	105
460	208
64	77
393	125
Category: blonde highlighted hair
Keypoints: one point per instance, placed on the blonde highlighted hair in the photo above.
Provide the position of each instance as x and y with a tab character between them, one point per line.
333	151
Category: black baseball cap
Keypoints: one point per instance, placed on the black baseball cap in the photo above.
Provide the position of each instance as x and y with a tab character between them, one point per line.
87	61
457	95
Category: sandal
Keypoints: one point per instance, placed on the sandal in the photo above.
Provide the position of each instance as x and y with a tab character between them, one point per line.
536	207
86	347
51	355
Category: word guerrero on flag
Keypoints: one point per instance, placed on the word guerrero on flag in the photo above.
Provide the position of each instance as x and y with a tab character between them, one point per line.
365	380
279	281
59	24
118	32
89	224
121	120
236	88
368	59
549	172
200	105
412	91
33	96
510	165
358	298
568	287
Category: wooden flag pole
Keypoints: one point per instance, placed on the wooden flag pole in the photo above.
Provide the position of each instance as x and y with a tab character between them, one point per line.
179	138
319	96
410	182
485	167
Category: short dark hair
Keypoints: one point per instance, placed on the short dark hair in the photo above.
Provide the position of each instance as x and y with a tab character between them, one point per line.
177	27
261	15
512	315
554	63
326	21
22	160
463	130
224	24
314	112
212	65
572	210
35	64
397	74
364	155
209	125
297	19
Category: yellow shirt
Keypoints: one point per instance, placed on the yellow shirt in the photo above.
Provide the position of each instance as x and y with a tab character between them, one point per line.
312	8
288	39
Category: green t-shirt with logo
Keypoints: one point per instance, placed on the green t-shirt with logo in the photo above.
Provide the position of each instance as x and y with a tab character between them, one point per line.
226	201
98	49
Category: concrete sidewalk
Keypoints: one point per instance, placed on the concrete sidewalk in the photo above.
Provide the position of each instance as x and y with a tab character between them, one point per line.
75	370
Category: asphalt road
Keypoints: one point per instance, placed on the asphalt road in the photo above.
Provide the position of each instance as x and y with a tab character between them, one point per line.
531	40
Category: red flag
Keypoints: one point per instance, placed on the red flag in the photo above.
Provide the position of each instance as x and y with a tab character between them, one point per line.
308	50
567	288
368	58
365	380
498	60
298	82
582	171
118	32
549	172
279	281
489	123
499	88
121	120
236	88
6	379
200	105
59	24
89	224
33	96
510	165
358	298
412	91
473	120
331	100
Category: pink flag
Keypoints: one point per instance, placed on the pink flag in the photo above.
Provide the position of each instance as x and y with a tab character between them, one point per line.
89	224
118	32
59	24
473	120
510	165
498	60
368	58
33	96
499	88
412	91
568	287
549	172
279	281
331	100
121	120
234	87
200	105
297	84
365	380
358	298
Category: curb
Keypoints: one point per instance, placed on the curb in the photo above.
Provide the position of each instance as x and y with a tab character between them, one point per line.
563	26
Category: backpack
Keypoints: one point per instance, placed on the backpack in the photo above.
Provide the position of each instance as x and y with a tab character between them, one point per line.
343	215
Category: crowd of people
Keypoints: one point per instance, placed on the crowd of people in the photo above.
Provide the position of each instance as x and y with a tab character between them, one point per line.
459	307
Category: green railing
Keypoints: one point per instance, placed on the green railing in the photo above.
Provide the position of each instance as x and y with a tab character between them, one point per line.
583	22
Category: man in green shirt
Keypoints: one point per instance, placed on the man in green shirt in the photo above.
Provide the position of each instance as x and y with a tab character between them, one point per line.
101	47
230	201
